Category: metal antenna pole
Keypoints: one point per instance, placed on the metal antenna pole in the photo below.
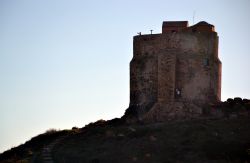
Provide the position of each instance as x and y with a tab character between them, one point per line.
193	17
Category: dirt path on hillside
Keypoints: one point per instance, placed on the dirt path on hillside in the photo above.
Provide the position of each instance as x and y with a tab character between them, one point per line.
47	150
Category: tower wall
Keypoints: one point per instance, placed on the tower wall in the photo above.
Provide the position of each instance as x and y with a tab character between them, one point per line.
175	67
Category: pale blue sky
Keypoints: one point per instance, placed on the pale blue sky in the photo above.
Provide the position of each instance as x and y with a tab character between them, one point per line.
65	63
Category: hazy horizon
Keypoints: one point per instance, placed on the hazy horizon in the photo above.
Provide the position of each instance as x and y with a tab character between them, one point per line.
66	63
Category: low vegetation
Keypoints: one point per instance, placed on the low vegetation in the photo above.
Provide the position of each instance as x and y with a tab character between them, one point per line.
31	149
211	139
221	140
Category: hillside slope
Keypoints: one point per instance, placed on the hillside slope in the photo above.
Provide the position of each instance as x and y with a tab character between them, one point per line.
220	137
204	140
225	140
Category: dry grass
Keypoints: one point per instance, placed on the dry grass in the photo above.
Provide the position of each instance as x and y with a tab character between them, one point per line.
226	140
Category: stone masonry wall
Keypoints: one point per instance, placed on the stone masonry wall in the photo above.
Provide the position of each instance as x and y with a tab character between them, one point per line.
175	71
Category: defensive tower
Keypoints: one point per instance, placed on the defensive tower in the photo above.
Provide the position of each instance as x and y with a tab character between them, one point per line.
175	73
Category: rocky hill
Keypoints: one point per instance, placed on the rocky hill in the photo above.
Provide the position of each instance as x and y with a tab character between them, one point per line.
222	137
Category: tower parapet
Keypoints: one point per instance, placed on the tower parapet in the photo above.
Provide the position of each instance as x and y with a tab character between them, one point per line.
173	26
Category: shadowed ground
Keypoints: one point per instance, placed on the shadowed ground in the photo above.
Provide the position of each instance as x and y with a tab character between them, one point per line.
223	136
226	140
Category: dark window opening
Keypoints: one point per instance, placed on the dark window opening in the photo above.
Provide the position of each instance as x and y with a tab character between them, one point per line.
173	31
206	62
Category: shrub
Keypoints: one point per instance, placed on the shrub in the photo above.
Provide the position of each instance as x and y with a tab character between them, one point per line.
238	100
75	128
245	101
51	131
230	101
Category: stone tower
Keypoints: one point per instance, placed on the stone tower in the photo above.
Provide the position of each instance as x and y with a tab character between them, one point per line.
176	73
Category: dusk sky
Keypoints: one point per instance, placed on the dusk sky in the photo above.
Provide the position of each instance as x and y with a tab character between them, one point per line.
65	63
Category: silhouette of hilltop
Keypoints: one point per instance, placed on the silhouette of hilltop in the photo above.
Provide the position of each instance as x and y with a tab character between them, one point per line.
222	135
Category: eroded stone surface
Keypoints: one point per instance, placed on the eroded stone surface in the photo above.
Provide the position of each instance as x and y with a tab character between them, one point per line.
173	74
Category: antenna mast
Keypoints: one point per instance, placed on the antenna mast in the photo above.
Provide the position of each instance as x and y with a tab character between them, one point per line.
193	16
